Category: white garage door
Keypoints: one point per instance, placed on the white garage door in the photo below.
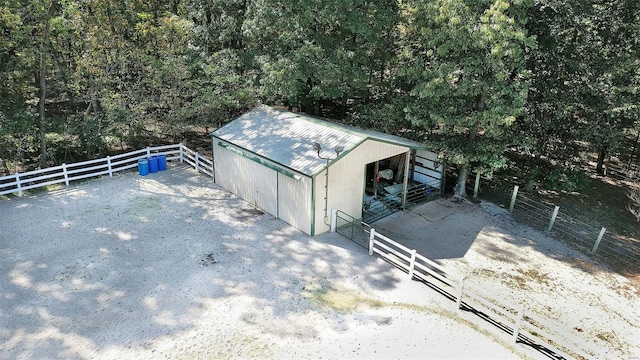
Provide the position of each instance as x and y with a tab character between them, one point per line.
254	182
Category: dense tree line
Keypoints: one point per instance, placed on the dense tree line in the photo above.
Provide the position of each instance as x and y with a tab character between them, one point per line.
484	82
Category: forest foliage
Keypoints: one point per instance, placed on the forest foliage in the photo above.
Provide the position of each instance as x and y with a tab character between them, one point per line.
533	84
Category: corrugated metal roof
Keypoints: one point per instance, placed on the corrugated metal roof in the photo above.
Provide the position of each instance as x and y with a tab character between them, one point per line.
287	138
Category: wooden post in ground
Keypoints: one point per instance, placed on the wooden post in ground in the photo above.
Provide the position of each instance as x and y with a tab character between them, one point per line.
372	235
405	180
334	219
66	175
595	246
18	185
413	164
460	292
376	170
412	264
553	218
518	324
514	195
109	166
443	177
476	186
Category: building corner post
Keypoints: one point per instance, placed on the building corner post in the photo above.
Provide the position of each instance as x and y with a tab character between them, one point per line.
405	179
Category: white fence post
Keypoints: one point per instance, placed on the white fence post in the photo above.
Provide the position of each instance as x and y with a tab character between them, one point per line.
18	184
372	235
412	264
595	246
63	174
66	175
476	186
514	195
197	162
553	218
518	324
334	219
460	292
109	166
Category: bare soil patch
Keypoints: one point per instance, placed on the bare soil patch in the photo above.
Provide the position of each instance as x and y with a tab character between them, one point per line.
594	305
172	266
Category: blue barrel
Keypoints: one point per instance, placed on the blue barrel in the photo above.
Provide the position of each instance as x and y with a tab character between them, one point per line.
153	164
143	167
162	162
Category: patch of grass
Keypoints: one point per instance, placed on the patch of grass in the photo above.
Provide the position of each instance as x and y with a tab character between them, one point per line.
44	189
346	301
341	300
604	204
533	275
521	281
611	338
586	266
141	207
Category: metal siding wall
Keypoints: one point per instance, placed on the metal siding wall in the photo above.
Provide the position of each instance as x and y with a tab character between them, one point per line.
346	180
253	182
294	202
264	183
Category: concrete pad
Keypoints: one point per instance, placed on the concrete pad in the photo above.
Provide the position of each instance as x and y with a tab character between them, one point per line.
434	210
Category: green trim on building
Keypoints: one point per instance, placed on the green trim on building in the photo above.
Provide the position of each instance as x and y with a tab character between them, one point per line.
260	160
313	206
367	134
342	154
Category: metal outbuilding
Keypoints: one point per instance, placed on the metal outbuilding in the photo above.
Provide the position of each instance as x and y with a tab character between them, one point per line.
297	168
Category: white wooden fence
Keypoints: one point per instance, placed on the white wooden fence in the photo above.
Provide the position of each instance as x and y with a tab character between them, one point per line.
523	325
65	173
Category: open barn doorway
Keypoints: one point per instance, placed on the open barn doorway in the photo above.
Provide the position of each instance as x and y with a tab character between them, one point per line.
385	191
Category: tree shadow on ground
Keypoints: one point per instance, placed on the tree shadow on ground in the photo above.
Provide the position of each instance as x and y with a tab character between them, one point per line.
116	266
485	245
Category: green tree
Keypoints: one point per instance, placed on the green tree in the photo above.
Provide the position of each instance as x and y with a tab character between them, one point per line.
27	49
467	70
312	52
584	80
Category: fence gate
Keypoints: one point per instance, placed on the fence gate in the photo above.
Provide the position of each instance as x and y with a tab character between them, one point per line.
351	228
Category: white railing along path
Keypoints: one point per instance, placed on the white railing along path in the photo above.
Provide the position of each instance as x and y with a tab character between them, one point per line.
520	323
65	173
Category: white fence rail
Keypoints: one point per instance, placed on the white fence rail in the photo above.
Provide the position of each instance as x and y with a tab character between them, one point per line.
65	173
523	325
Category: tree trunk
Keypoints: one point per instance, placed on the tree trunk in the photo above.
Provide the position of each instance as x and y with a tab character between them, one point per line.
633	151
43	85
461	188
343	107
601	156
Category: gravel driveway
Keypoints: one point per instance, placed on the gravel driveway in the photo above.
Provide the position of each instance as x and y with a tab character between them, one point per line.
172	266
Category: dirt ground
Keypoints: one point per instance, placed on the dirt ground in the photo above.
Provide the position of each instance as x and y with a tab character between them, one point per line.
593	307
172	266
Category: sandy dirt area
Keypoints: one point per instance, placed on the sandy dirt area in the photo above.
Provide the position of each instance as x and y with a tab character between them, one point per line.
172	266
594	308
